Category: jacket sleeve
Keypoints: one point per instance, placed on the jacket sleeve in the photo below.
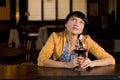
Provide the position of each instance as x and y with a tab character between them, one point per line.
46	51
97	50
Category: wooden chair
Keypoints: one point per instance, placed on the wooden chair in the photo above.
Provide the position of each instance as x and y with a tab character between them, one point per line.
13	54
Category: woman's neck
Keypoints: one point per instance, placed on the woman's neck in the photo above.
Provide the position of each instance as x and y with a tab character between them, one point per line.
72	40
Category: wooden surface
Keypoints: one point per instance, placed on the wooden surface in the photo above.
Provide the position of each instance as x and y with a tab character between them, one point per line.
32	71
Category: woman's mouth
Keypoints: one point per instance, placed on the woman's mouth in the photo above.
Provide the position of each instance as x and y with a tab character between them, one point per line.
74	28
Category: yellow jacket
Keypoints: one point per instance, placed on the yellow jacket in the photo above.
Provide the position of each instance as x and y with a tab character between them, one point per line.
55	45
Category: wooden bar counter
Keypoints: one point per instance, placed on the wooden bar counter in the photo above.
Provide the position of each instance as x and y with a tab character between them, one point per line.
34	72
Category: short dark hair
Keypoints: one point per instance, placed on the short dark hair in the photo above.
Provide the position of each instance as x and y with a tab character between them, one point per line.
80	15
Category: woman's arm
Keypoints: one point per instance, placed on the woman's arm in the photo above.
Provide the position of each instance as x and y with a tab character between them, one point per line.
46	51
53	48
99	62
103	57
59	64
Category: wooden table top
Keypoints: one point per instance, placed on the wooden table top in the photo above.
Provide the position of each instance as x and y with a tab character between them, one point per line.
35	72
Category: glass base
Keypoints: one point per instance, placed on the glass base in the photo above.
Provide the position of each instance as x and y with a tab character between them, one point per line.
79	69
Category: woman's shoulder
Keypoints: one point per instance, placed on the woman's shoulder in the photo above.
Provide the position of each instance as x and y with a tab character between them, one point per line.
89	39
57	33
87	36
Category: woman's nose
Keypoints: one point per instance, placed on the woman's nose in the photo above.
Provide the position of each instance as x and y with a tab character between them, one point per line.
77	23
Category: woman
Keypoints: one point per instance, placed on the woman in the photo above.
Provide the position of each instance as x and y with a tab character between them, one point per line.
59	49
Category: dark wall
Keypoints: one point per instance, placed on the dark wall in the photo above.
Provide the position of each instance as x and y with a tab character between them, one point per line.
117	27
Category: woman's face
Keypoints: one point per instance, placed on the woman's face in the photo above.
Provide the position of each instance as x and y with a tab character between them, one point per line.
75	25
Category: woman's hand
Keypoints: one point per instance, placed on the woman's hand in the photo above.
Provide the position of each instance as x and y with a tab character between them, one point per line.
75	62
81	62
86	63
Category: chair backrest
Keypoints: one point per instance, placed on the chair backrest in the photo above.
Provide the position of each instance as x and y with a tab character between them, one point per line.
14	40
31	28
42	37
116	45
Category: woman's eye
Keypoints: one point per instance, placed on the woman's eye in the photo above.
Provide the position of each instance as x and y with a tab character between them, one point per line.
73	19
82	22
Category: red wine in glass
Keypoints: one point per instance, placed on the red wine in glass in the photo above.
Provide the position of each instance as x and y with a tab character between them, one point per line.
82	53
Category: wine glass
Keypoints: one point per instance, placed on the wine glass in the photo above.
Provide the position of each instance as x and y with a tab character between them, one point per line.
81	51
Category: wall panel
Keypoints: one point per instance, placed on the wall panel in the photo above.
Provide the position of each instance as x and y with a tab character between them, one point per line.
63	8
49	10
34	10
